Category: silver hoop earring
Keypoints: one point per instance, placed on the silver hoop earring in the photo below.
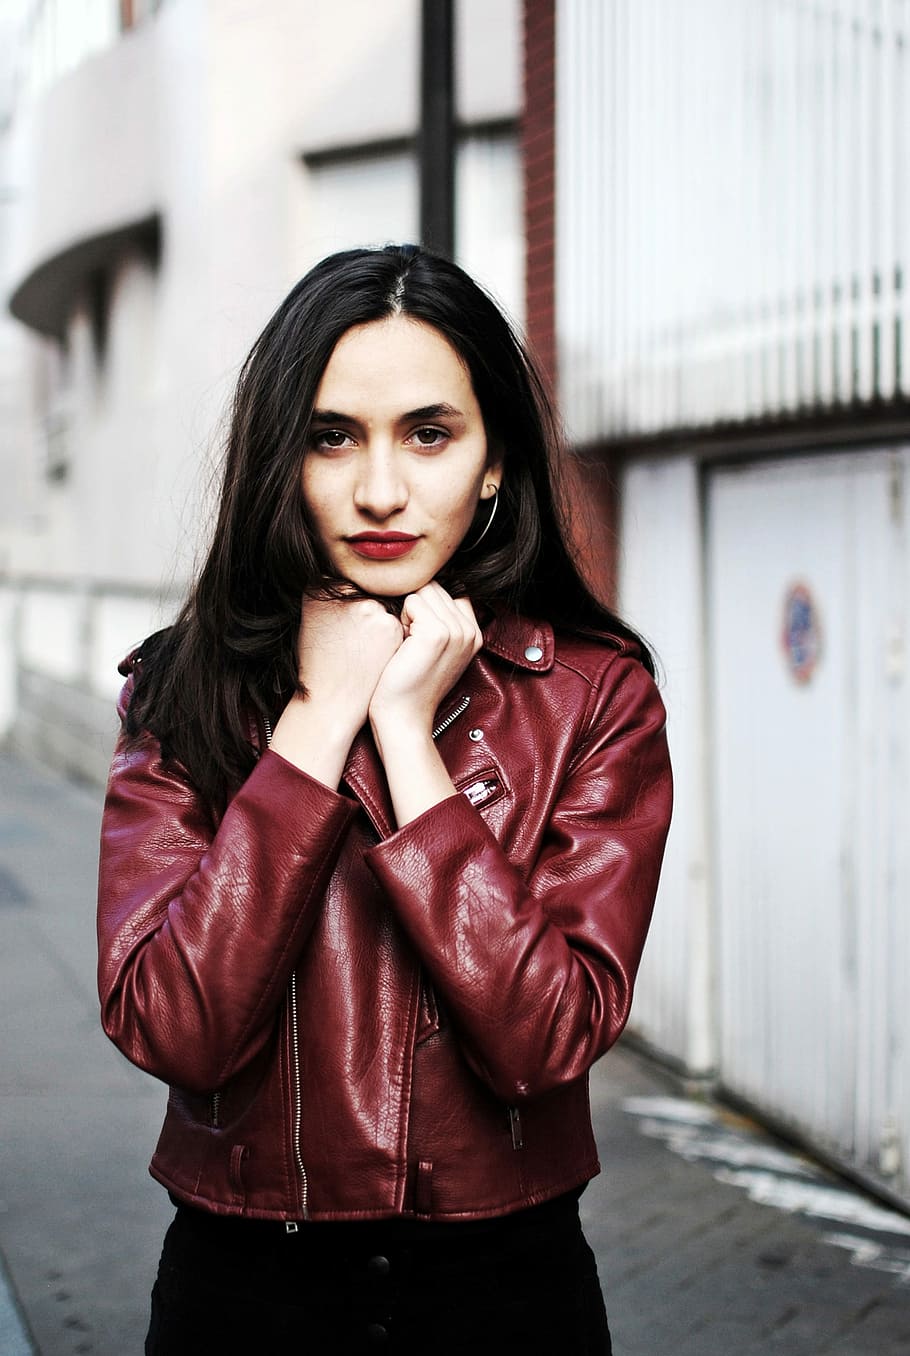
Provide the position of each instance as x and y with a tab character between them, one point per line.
488	524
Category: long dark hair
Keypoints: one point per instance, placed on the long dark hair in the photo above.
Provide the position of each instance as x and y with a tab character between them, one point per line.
230	657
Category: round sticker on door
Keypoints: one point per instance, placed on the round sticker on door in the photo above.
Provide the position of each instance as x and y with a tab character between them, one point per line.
802	638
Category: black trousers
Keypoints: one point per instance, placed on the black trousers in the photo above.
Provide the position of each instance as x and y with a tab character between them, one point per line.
525	1283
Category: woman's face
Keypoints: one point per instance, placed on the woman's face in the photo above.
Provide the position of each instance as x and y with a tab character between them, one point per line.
398	456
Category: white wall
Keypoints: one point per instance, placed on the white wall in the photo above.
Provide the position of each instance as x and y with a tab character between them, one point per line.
661	594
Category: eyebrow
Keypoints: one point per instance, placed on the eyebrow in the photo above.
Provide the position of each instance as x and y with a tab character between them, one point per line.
440	411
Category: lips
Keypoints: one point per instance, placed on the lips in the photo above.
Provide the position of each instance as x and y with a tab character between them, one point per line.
382	545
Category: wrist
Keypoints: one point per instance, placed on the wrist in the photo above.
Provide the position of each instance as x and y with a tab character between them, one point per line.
401	726
334	726
315	738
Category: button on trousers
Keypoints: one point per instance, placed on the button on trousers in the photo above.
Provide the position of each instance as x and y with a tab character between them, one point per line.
526	1284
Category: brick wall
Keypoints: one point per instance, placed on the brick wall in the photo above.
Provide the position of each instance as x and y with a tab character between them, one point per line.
592	484
538	138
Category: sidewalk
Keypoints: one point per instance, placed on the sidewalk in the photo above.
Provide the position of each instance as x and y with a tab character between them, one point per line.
691	1264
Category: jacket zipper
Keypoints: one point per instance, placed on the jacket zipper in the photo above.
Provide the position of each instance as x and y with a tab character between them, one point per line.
298	1104
291	1225
453	715
215	1109
450	719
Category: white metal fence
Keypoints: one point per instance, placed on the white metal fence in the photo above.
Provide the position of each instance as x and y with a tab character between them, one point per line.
733	209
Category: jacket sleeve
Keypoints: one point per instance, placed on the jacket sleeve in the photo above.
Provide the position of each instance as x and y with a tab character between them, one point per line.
537	973
198	930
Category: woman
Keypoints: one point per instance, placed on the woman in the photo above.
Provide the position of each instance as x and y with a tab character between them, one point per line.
380	848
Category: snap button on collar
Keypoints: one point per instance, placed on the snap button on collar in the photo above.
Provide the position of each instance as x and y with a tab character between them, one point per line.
475	735
533	652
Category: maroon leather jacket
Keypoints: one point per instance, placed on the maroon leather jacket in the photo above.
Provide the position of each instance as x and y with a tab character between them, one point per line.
358	1021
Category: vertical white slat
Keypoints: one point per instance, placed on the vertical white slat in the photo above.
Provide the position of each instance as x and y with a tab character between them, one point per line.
805	139
603	165
726	242
672	244
885	206
714	229
664	199
592	187
625	215
770	173
753	200
735	274
658	199
584	298
630	243
582	225
901	171
651	184
825	204
786	62
863	151
702	232
639	202
608	263
565	267
845	119
673	238
695	157
578	167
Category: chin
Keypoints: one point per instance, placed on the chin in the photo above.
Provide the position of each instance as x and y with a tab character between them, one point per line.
386	583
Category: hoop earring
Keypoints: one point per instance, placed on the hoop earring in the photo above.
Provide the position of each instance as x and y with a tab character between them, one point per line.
488	524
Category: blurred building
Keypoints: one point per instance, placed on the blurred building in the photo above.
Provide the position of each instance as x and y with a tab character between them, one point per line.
701	213
170	169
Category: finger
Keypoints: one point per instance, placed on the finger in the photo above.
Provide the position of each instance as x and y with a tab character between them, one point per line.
465	607
437	603
420	608
450	610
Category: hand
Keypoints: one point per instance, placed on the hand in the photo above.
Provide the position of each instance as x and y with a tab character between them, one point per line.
343	646
441	637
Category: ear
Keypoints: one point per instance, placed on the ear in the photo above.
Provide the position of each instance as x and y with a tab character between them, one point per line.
493	475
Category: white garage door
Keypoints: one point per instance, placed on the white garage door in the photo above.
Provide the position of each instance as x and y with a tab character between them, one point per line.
807	609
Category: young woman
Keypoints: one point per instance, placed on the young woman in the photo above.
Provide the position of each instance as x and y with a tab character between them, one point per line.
380	847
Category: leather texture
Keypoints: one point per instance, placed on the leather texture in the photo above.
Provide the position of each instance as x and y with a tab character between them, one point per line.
453	981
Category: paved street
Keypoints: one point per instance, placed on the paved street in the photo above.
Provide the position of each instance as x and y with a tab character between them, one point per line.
711	1238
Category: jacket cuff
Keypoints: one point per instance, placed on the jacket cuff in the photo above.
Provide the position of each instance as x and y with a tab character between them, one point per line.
428	848
299	789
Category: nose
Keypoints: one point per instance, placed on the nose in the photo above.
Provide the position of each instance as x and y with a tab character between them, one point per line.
381	490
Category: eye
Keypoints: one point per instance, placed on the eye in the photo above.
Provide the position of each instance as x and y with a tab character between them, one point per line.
330	439
430	437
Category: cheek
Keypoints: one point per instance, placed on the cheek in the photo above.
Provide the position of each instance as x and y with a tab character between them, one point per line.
315	498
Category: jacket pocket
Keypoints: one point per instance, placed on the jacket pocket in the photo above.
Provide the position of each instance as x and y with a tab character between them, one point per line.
482	788
239	1154
429	1017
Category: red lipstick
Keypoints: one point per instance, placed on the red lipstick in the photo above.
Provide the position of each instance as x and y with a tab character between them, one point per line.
382	545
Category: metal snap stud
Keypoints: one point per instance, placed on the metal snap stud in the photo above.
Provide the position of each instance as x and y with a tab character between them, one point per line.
475	735
534	652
